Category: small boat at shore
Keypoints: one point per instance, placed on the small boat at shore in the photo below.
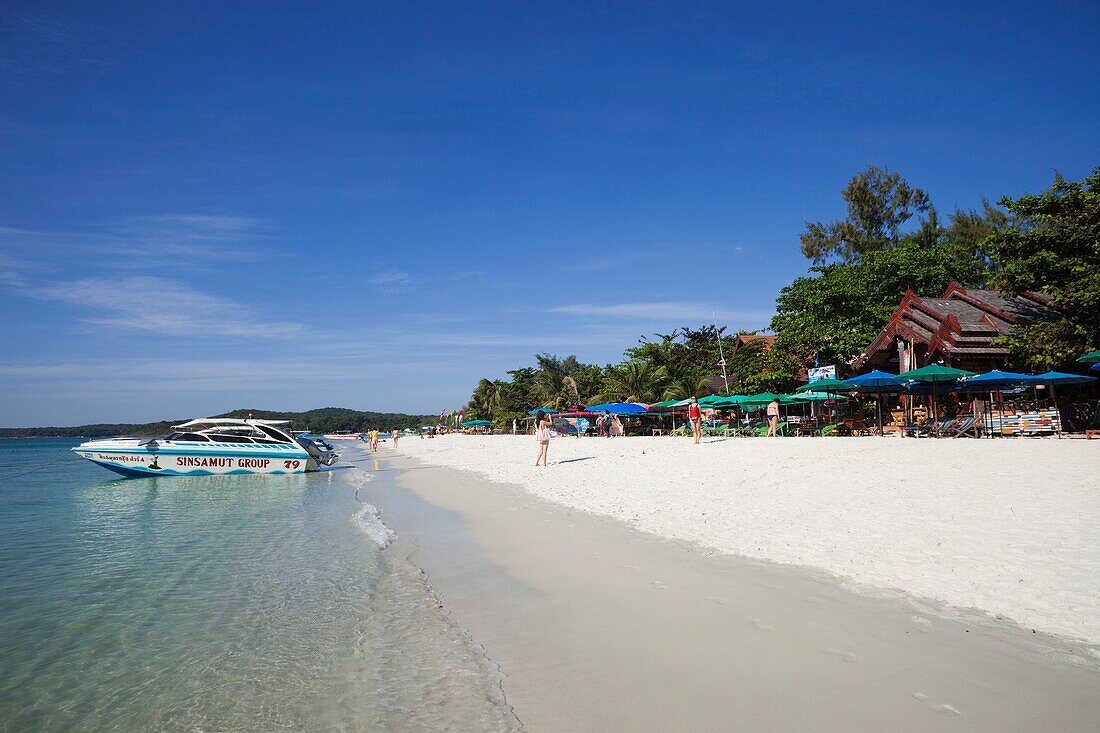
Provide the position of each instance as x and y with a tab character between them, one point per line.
343	435
211	446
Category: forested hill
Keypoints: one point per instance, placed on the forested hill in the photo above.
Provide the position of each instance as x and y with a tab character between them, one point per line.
321	420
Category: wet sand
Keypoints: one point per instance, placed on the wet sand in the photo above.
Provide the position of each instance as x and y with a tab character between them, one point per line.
598	627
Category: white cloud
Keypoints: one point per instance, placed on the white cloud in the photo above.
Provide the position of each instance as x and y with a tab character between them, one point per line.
223	238
156	305
664	311
390	278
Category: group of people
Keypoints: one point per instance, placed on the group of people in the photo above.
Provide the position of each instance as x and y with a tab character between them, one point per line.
695	417
371	437
608	425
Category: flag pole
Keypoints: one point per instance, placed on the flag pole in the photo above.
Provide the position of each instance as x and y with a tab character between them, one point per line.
721	355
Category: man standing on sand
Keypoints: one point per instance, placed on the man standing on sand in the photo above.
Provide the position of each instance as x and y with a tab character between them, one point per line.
773	418
696	418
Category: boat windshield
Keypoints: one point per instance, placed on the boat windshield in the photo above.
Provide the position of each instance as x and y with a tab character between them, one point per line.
186	436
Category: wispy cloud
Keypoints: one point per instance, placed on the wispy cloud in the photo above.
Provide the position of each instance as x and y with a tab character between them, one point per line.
156	305
390	278
669	310
223	238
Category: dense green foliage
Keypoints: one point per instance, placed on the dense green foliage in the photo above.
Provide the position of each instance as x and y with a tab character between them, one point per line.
879	202
1055	249
322	420
833	314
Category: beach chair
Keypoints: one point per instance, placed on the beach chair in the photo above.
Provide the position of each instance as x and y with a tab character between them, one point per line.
915	430
830	430
969	427
761	431
942	429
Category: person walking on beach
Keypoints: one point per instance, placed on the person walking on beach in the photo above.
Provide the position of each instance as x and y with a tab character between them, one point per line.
773	418
606	430
395	435
542	435
695	417
515	427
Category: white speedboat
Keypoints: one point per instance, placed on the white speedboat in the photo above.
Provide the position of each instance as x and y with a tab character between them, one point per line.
210	446
343	435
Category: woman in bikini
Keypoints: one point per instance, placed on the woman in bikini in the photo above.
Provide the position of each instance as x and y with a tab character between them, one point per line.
542	435
773	418
696	418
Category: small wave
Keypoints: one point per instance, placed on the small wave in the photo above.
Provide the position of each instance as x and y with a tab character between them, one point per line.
357	477
369	520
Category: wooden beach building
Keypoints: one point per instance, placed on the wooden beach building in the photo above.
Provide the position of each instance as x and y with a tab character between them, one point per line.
958	329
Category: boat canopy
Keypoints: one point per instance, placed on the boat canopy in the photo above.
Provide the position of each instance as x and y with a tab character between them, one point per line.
227	421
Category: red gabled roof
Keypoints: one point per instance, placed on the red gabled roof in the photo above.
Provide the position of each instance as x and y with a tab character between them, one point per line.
963	322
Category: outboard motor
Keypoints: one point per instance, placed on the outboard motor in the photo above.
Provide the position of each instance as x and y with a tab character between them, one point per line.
323	457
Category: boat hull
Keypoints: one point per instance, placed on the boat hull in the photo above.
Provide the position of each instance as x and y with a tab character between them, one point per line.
168	460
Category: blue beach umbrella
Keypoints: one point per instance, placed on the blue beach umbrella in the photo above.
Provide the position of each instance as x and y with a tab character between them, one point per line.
537	410
875	382
995	381
619	408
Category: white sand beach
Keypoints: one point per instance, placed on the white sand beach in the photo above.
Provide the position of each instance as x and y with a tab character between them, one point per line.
1010	527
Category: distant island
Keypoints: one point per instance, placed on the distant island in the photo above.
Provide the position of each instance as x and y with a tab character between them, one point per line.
321	420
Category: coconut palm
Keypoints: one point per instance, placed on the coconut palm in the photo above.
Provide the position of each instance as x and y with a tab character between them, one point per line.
681	389
633	381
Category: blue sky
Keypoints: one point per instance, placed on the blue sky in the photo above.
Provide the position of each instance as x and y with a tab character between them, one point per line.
218	205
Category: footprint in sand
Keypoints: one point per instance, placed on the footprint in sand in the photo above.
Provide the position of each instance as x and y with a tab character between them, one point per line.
938	707
846	656
712	599
658	585
761	626
921	621
635	568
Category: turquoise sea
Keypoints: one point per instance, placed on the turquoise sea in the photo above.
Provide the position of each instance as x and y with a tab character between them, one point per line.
236	603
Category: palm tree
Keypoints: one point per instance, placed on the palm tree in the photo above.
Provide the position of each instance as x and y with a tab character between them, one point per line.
681	389
487	396
633	381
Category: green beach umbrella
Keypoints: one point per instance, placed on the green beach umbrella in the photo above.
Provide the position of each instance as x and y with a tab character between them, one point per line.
711	399
1092	357
935	373
825	385
809	396
475	423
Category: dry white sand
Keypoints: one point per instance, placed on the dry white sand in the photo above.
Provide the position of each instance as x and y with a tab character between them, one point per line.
1011	527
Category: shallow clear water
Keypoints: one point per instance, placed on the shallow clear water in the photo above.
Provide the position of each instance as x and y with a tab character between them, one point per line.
259	603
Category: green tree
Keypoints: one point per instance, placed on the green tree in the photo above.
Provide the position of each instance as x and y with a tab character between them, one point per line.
1054	247
684	387
879	202
972	228
634	381
832	315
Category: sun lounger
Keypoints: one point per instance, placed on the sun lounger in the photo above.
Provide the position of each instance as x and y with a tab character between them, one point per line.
967	427
915	430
